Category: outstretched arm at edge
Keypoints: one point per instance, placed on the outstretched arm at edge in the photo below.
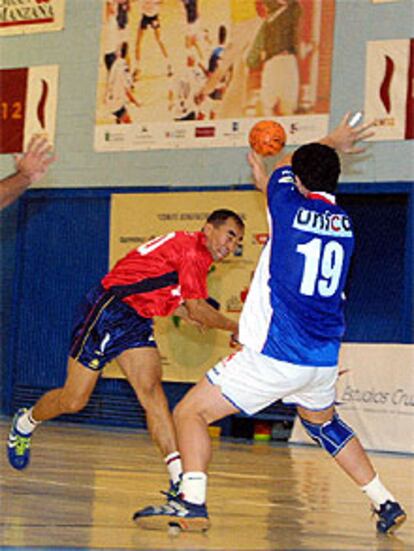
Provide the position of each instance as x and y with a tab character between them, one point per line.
30	168
12	187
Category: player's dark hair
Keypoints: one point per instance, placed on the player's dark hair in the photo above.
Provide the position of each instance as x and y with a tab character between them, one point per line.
220	216
318	167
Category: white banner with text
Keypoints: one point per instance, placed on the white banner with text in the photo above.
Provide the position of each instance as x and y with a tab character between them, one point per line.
375	396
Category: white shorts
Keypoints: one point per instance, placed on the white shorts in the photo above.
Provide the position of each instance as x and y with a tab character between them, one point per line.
252	381
280	85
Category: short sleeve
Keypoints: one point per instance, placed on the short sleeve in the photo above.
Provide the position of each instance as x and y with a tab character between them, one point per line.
282	175
280	185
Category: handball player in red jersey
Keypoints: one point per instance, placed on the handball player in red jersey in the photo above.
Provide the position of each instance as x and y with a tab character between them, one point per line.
165	276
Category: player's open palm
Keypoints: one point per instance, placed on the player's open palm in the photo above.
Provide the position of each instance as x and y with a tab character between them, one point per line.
35	162
345	136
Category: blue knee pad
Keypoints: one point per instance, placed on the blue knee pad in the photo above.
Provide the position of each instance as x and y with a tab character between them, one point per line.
332	436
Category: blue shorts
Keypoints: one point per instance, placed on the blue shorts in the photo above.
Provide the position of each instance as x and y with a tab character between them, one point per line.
105	327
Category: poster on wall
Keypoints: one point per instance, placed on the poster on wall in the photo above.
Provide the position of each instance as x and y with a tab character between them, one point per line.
375	395
31	16
186	352
28	99
389	96
199	73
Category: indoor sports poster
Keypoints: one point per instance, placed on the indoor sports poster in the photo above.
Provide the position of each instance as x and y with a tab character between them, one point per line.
135	218
200	73
28	101
31	16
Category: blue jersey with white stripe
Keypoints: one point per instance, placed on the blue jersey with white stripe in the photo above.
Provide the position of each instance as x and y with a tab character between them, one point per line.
294	310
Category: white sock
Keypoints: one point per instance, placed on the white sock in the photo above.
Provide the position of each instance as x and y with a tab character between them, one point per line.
194	487
174	466
377	492
26	424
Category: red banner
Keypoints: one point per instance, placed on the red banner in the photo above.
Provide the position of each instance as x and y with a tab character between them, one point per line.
13	85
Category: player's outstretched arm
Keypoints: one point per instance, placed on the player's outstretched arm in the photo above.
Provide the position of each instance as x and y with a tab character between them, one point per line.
183	313
200	311
259	173
344	137
30	168
11	188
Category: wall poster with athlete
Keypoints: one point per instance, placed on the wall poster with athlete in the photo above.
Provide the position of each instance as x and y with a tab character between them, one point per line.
136	218
199	73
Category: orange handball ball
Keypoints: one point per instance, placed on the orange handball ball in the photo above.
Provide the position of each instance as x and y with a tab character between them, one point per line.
267	138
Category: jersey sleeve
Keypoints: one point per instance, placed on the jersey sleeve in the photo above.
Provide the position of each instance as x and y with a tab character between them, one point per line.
193	274
282	175
281	183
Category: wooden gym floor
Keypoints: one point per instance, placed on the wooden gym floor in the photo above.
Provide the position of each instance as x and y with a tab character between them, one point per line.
84	484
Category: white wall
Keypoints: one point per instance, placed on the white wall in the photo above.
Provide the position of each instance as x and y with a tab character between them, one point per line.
76	51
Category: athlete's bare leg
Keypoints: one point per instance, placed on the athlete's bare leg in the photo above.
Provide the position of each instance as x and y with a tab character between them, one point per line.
158	38
202	405
142	367
140	36
352	459
72	397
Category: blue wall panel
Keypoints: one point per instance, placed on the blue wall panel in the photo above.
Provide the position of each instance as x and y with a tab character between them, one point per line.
376	309
63	249
8	223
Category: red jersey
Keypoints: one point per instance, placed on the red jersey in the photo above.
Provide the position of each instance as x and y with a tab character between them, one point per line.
160	275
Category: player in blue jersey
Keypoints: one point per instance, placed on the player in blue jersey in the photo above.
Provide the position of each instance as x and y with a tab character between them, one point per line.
290	327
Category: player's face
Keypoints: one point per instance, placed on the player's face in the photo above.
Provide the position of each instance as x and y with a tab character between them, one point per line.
223	240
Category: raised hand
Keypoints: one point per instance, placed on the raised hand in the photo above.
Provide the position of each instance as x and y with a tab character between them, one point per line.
34	163
345	137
